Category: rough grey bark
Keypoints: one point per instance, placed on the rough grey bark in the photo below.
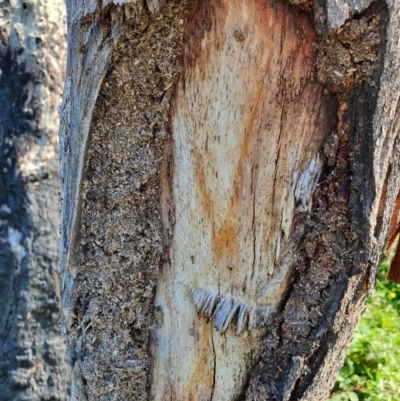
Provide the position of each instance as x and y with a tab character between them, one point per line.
33	362
128	135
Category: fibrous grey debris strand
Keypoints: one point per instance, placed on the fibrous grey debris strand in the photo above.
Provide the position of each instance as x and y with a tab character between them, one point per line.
243	315
222	309
222	312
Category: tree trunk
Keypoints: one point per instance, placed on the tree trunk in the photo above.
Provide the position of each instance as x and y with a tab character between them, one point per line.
229	170
32	61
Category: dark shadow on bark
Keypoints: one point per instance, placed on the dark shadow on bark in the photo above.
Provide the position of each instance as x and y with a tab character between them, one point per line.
32	356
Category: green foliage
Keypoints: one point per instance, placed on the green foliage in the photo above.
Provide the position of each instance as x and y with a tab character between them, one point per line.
372	367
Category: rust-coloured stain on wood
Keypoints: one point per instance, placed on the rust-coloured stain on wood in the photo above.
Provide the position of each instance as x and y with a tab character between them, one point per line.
394	271
247	120
271	46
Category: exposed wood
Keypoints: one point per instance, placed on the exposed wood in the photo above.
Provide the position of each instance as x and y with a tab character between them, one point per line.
394	271
89	50
376	155
258	177
126	259
33	363
242	145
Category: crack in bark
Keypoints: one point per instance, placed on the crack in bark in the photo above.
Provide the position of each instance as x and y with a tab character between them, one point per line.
253	223
214	362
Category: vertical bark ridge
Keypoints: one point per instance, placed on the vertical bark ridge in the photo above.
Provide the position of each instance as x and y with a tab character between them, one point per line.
33	362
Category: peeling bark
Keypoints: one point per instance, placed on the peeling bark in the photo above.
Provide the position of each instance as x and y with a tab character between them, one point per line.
33	363
229	171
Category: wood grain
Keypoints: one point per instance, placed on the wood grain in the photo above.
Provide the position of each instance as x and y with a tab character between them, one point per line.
247	124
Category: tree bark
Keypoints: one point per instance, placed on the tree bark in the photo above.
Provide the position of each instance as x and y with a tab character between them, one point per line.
229	171
32	61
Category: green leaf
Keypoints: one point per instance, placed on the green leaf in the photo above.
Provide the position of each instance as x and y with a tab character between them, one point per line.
372	362
352	396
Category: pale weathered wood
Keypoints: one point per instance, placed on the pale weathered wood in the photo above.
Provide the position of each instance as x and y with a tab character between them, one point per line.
339	11
271	153
75	116
242	142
